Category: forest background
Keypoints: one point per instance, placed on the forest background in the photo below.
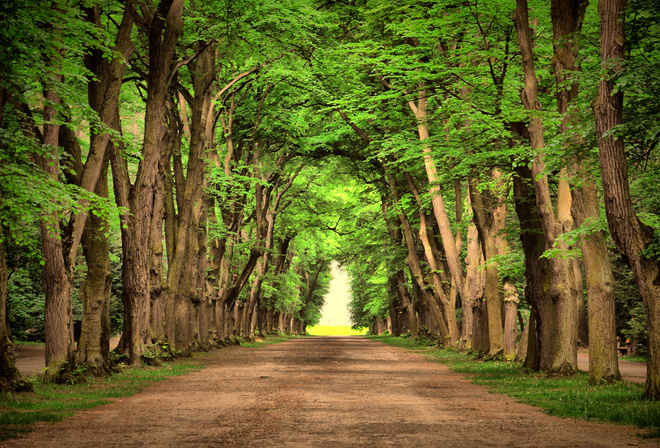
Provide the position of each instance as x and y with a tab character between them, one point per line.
184	172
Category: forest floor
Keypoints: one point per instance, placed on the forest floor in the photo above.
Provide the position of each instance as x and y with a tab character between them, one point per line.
321	392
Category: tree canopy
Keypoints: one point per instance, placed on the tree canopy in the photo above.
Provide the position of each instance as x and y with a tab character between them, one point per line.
185	172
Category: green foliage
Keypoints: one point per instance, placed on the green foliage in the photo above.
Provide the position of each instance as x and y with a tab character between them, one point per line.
630	313
25	305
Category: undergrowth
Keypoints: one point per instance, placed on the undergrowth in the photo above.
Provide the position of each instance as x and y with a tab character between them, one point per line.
571	396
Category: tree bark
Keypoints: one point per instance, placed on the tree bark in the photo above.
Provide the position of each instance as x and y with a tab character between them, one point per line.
567	18
475	284
93	347
542	323
433	259
413	262
10	377
489	217
633	238
420	110
163	27
563	277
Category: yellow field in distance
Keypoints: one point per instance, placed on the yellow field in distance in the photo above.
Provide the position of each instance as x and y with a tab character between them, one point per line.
335	330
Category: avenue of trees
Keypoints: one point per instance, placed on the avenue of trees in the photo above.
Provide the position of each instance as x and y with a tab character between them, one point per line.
185	172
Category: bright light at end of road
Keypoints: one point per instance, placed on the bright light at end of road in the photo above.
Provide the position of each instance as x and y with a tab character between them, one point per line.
335	310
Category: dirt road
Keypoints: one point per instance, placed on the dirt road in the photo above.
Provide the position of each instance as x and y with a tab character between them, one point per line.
30	361
321	392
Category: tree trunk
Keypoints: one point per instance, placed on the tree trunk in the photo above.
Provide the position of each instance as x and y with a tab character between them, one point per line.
567	18
94	345
475	284
439	210
10	377
489	217
510	319
634	239
58	269
542	324
163	29
432	258
413	262
562	287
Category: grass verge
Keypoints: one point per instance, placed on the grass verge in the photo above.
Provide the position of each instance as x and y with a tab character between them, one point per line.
260	342
572	397
53	403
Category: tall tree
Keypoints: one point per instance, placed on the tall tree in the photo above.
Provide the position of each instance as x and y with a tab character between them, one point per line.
161	25
563	311
636	241
567	19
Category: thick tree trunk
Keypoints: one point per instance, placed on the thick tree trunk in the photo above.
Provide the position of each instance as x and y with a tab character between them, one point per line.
158	291
603	359
10	377
489	217
58	269
567	18
542	324
563	280
186	275
631	236
94	345
475	284
164	28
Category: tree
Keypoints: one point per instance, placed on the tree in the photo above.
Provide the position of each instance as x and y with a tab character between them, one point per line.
636	240
567	19
561	311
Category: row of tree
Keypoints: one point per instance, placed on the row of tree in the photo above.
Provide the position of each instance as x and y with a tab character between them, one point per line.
205	160
437	149
505	106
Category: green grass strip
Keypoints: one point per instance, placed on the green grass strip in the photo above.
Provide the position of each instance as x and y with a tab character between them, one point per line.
573	397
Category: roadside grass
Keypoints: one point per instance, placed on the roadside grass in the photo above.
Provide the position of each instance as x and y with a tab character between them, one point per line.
271	339
52	403
335	330
572	397
28	343
633	358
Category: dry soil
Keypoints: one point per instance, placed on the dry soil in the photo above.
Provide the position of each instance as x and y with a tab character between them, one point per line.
322	392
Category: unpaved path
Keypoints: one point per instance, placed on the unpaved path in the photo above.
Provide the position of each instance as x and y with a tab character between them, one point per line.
30	361
321	392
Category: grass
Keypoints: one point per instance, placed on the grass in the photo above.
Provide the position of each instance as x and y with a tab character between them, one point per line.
53	403
572	397
335	330
28	343
267	341
633	358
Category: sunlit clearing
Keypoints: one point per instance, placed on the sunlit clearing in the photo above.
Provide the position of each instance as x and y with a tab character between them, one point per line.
335	330
335	309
